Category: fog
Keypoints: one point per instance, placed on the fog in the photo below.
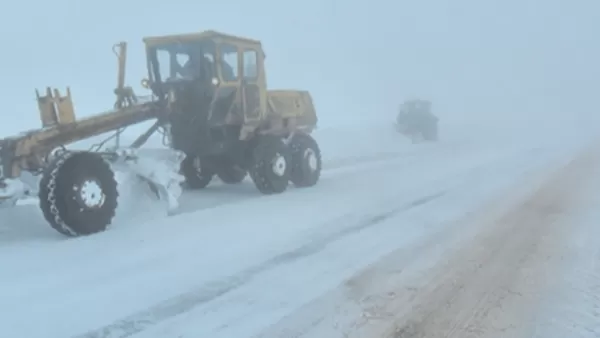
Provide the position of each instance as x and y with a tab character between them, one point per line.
493	61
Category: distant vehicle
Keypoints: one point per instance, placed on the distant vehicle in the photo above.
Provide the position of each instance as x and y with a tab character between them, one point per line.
416	121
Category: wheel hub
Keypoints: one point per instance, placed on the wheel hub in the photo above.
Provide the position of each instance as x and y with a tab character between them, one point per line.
311	159
91	194
279	165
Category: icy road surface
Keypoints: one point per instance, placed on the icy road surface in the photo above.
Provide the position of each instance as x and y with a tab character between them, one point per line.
457	239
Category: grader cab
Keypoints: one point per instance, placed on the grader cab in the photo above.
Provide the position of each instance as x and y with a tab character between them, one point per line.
220	109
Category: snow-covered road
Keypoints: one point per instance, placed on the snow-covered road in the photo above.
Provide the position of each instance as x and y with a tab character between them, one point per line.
236	264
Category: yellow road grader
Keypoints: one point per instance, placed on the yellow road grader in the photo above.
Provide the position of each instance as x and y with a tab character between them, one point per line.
208	96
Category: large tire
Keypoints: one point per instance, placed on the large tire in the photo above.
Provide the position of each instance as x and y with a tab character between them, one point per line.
197	172
231	173
78	194
306	161
270	169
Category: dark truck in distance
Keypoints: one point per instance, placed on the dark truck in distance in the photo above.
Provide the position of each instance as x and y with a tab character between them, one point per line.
416	121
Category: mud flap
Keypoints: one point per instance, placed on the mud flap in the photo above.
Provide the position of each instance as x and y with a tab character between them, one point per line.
160	167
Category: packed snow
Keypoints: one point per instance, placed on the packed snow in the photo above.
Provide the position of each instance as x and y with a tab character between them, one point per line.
234	263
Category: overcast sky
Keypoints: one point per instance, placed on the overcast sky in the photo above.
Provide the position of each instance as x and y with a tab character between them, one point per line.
358	58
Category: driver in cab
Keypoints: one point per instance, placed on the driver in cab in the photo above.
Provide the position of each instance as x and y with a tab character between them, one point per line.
189	69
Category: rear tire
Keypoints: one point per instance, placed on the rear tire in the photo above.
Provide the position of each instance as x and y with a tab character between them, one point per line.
197	172
306	161
270	169
230	173
78	194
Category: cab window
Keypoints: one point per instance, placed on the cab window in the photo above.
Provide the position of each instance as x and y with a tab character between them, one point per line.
250	62
229	62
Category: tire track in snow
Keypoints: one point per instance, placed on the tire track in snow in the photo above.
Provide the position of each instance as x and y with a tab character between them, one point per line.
427	286
427	183
276	294
491	285
185	302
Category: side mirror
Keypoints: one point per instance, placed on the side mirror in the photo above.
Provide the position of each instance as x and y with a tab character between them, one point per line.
145	83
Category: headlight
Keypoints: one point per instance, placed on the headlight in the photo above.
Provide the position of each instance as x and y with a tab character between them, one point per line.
215	81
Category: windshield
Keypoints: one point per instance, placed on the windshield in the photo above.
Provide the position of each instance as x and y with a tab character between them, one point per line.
177	61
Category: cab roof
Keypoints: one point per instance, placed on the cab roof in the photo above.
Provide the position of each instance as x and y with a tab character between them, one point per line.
205	35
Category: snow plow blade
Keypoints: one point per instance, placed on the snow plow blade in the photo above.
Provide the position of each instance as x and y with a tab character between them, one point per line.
159	168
